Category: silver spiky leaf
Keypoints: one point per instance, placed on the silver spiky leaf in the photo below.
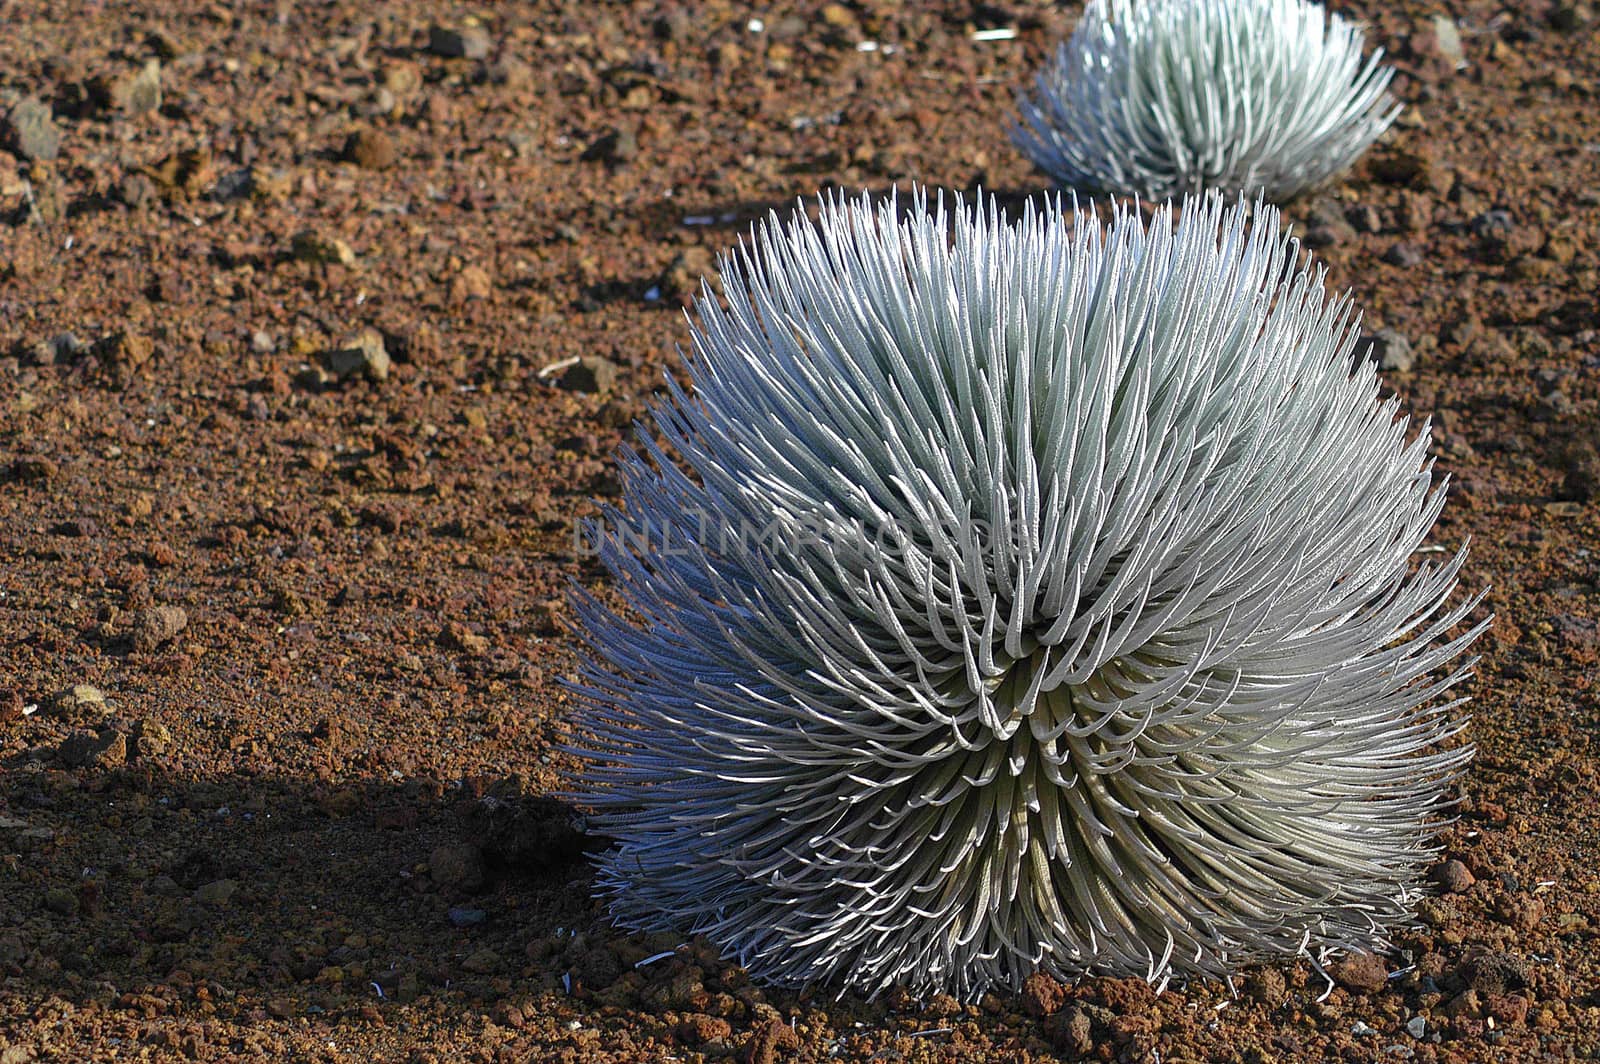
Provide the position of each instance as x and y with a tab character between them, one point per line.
1042	597
1158	98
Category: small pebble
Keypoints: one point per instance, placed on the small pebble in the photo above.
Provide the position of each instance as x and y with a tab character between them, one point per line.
83	749
1453	877
467	43
371	149
457	866
595	374
80	704
361	352
311	246
1390	350
32	131
464	917
156	625
1404	255
1364	973
483	961
139	93
216	893
617	148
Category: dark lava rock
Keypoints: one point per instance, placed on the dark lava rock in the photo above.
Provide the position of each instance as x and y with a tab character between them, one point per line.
1497	972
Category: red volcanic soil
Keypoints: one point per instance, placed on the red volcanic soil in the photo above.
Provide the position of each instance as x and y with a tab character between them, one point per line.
282	617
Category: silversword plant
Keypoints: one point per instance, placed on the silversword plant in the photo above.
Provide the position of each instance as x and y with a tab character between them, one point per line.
1158	98
1042	597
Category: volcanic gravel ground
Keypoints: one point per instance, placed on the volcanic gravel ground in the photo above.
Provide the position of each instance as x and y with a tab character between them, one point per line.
292	442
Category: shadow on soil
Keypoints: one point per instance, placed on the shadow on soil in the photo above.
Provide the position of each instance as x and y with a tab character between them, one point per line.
154	893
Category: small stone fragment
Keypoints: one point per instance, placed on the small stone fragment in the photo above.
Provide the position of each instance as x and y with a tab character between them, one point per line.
61	901
768	1038
460	916
371	149
680	282
1403	255
1072	1032
1327	234
155	625
402	79
1453	877
1519	910
675	25
1572	16
698	1028
456	866
1436	912
1417	1027
122	353
216	893
32	131
617	147
472	282
1468	1004
1042	995
1449	38
34	470
469	42
310	246
83	749
139	93
183	174
360	352
594	374
457	636
1390	350
1266	985
270	185
838	16
151	738
1511	1009
1363	973
1581	461
1364	217
1497	972
482	962
1402	166
136	191
80	704
510	73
